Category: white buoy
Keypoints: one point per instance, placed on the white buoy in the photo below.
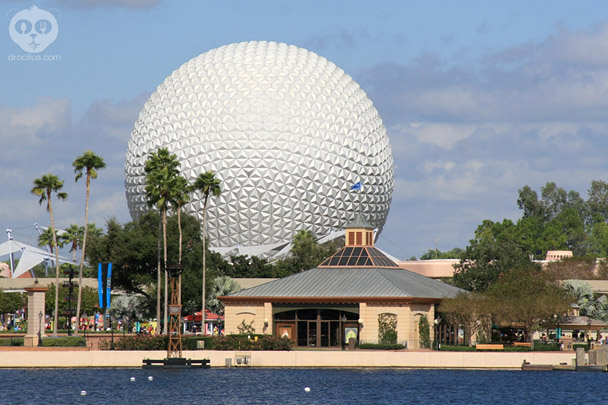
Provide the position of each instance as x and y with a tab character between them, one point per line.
307	389
83	392
150	378
132	378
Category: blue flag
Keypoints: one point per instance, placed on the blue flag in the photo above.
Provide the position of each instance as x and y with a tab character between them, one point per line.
356	186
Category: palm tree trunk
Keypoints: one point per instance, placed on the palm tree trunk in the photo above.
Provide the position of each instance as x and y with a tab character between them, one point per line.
84	246
203	329
158	277
165	313
179	227
56	315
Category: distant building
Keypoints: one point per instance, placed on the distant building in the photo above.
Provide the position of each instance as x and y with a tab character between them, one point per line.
435	268
557	255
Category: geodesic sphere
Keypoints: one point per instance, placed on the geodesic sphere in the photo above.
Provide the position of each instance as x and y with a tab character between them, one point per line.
286	131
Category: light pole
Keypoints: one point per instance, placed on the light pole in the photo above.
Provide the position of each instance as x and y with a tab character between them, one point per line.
86	324
437	322
112	333
40	328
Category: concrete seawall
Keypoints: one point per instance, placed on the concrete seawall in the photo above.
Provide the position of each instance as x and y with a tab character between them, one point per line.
20	357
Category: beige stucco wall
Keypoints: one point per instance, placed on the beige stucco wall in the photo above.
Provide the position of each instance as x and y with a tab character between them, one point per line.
256	312
407	321
297	358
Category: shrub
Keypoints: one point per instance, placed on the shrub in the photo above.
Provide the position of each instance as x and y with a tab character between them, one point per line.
189	343
424	331
547	347
387	328
583	345
140	342
64	341
457	348
381	346
255	342
16	341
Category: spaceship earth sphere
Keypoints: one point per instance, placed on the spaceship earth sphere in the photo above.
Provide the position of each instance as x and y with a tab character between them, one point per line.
285	131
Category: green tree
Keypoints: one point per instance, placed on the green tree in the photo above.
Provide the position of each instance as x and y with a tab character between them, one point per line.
207	184
525	297
597	242
249	266
44	188
431	254
162	171
469	310
496	249
89	299
12	302
598	202
85	165
306	253
581	267
132	249
529	203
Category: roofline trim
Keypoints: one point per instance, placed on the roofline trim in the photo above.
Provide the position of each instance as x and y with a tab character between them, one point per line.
331	300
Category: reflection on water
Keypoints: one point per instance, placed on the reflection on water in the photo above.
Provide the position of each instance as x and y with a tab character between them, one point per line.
268	386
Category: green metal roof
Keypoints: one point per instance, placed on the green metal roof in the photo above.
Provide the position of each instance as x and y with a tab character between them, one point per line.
353	282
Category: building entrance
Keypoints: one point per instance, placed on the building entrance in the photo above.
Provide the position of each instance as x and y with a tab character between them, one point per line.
317	327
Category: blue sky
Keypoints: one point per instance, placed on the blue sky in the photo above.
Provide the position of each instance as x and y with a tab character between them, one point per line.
479	98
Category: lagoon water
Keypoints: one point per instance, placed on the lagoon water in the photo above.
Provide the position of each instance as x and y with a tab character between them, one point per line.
287	386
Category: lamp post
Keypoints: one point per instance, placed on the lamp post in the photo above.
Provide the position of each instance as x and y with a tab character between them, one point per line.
437	322
111	334
343	330
40	328
86	324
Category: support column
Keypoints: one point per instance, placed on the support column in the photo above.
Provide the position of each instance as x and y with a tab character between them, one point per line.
36	295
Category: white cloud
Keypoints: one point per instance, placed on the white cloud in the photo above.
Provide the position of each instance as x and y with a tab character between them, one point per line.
465	138
23	126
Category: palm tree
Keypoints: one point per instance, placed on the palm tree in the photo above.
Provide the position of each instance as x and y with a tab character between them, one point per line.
180	198
87	164
162	171
207	184
44	187
222	285
596	308
46	239
74	235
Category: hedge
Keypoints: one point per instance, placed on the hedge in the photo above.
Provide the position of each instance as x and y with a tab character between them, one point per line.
64	341
381	346
538	347
16	341
230	342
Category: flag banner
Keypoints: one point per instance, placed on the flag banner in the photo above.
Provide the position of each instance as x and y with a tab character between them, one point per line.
104	283
100	285
356	186
109	285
